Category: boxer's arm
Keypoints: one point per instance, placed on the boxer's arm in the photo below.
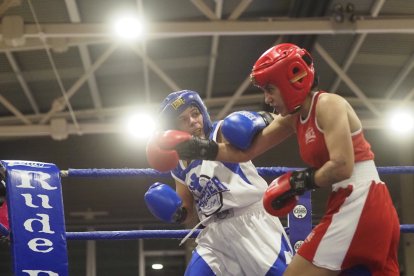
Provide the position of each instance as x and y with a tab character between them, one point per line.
187	203
277	131
198	148
337	134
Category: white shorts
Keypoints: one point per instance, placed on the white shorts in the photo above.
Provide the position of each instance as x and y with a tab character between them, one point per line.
251	242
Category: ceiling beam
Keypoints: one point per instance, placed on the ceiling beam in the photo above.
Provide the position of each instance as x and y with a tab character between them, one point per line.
34	44
22	81
147	88
74	16
273	26
70	129
239	92
229	104
401	76
10	107
156	69
60	103
356	46
105	128
351	84
212	103
213	53
201	6
238	11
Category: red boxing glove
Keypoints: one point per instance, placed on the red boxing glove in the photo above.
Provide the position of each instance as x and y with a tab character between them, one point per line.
279	198
159	159
171	138
160	149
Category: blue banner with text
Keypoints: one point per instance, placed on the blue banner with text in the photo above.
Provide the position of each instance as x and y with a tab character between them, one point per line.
37	225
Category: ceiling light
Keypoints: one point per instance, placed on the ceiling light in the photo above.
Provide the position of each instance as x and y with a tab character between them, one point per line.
140	125
402	122
129	27
157	266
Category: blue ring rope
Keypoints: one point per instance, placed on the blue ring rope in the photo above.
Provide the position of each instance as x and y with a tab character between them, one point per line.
263	171
158	234
141	234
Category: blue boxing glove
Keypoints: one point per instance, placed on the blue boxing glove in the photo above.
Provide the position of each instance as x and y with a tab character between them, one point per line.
164	203
239	128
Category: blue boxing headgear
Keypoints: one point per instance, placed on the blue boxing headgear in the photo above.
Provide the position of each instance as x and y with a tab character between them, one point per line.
176	102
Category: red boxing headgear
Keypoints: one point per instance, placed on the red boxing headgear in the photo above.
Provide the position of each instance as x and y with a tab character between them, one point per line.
290	68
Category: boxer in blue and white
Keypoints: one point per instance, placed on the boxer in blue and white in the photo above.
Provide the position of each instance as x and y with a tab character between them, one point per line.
240	237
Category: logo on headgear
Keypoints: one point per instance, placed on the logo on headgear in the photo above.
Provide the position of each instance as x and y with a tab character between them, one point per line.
177	103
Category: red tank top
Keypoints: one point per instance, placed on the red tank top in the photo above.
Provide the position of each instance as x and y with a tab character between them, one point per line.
312	144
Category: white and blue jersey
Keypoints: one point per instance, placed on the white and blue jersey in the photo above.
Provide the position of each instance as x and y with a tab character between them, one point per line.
240	237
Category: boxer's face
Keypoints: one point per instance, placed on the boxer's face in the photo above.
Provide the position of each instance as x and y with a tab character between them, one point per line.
191	120
273	98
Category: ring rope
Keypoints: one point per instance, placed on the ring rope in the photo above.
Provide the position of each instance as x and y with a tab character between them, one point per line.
263	171
45	179
159	234
144	234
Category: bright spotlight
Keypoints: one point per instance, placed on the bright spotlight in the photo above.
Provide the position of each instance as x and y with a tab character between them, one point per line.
140	125
129	27
402	122
157	266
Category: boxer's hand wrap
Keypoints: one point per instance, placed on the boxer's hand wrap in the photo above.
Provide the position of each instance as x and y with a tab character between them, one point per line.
267	117
180	215
197	148
304	180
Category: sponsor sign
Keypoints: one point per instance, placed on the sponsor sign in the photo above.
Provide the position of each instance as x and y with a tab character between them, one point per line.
36	217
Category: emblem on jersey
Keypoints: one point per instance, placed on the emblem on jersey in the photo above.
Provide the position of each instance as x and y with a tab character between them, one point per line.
208	193
310	135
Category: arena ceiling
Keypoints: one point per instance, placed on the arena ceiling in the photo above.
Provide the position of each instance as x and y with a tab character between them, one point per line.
62	71
66	82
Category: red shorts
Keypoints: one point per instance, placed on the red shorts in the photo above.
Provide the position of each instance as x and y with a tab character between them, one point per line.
4	217
361	227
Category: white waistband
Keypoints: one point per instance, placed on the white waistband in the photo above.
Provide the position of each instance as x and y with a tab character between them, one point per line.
364	172
235	212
